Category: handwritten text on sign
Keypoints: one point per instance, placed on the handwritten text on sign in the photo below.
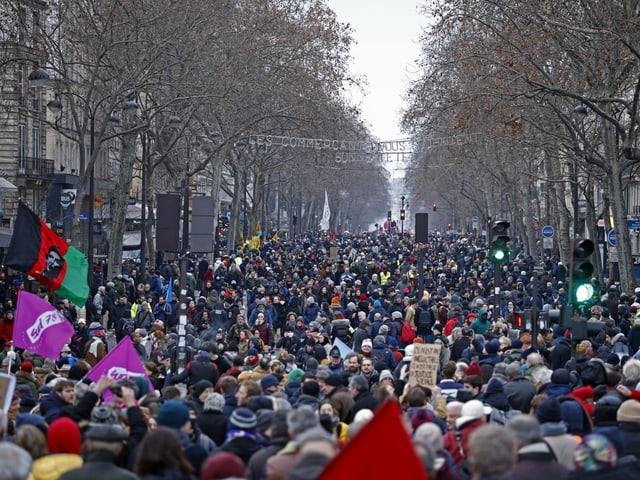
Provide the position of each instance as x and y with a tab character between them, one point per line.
424	364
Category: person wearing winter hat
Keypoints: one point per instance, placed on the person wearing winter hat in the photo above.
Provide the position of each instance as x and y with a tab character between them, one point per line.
212	420
223	465
241	437
554	431
64	442
199	393
175	414
200	368
103	445
492	357
338	395
596	457
628	417
269	384
25	376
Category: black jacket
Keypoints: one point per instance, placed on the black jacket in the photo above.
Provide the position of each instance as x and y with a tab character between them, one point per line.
363	401
214	425
198	369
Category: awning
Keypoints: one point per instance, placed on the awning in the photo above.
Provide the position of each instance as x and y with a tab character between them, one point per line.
6	185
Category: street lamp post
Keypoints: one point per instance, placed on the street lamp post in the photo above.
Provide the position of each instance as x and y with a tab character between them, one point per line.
579	114
402	215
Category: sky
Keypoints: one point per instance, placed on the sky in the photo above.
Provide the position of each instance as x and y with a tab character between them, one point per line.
386	34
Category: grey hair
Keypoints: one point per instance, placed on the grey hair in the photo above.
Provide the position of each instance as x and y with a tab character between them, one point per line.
526	429
16	462
631	370
492	452
360	383
513	369
302	419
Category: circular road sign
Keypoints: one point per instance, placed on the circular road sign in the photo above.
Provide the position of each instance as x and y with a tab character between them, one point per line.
611	238
548	231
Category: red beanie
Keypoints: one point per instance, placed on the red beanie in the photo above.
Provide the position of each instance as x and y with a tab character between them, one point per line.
222	465
64	436
474	369
27	367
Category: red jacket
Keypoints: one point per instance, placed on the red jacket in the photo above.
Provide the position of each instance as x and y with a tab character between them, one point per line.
451	443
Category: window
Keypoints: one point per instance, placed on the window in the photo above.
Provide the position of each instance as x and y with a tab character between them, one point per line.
22	147
35	143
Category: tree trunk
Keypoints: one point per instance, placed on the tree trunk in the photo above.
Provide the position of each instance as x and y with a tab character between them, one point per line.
120	203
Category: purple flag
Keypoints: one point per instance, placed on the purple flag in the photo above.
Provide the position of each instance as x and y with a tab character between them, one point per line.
121	363
40	328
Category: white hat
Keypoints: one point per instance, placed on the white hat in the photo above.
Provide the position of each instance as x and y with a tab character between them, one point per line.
367	341
408	352
472	410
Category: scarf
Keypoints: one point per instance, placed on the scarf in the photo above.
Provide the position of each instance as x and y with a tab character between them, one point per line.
234	433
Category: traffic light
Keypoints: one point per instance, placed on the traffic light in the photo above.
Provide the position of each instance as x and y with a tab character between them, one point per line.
499	239
581	270
435	207
402	214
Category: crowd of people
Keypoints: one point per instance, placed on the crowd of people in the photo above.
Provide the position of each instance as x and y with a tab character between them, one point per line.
293	348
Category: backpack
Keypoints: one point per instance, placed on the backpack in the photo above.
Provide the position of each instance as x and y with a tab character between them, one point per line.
129	327
500	417
407	334
425	321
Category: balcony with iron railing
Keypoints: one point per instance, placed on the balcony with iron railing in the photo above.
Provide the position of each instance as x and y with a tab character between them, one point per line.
35	167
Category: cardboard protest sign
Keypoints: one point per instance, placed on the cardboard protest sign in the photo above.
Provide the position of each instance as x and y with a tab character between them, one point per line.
424	364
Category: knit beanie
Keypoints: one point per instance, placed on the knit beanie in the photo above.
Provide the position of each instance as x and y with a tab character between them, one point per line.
222	465
173	414
214	403
629	411
64	436
27	367
243	419
200	387
549	411
295	375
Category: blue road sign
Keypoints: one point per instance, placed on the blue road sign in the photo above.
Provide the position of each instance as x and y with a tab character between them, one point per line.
611	238
83	216
548	231
633	223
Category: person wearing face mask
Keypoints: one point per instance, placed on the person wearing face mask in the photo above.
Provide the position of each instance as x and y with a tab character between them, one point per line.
288	341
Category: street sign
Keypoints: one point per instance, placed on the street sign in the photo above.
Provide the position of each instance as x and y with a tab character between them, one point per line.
547	243
633	223
548	231
67	197
83	216
601	223
475	221
611	238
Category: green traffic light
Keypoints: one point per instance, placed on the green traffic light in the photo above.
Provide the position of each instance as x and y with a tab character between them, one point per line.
499	255
584	292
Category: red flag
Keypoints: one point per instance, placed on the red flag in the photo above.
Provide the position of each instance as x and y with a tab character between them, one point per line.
382	449
35	249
